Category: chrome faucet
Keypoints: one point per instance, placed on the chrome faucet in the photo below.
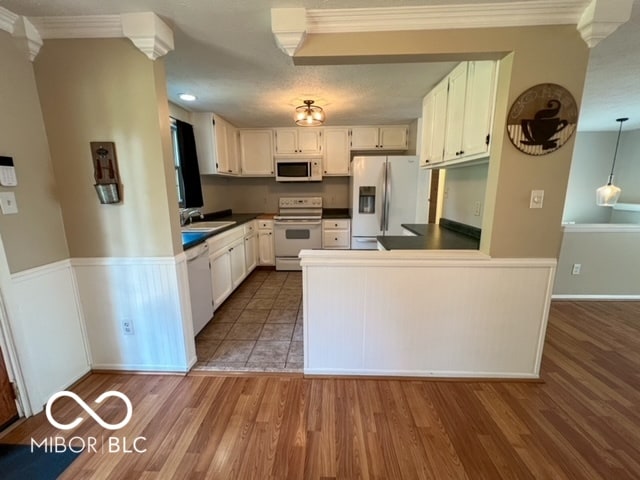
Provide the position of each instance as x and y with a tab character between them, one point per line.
187	214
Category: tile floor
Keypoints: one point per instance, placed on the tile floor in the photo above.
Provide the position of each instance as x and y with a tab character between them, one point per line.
258	328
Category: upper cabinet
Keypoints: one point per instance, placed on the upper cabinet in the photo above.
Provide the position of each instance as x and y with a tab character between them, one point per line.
256	152
216	144
337	155
393	137
467	117
434	109
298	141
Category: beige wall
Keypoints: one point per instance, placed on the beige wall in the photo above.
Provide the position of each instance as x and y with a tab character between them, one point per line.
106	89
176	111
610	264
252	195
35	235
553	54
463	187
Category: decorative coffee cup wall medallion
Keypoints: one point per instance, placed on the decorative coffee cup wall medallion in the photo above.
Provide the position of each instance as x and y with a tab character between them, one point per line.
542	119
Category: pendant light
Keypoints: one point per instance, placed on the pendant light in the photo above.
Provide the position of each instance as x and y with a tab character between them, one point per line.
607	195
309	115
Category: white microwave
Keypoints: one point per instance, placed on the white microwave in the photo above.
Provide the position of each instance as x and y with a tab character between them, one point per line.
298	169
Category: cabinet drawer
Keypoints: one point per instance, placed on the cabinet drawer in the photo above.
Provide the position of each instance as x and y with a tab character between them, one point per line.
249	227
222	240
265	224
335	239
339	224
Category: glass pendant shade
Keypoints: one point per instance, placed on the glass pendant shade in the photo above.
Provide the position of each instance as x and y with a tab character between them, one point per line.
309	115
607	195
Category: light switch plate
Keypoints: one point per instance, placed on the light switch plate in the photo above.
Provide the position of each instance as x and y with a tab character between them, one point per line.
8	203
537	199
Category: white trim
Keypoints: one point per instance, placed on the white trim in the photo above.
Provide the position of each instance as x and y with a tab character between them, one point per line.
140	368
7	20
84	26
581	297
419	373
289	26
601	18
438	17
125	261
629	207
41	270
148	33
600	228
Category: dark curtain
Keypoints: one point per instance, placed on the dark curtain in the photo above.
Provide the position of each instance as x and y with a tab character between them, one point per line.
189	165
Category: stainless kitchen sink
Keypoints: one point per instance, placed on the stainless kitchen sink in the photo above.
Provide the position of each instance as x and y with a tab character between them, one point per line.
206	226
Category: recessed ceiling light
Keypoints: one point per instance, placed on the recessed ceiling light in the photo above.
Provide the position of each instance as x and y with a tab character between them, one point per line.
187	97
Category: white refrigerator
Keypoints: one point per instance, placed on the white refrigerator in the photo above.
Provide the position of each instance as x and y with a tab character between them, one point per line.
383	196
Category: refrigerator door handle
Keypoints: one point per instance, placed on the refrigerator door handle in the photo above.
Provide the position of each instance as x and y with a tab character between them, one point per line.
387	197
383	209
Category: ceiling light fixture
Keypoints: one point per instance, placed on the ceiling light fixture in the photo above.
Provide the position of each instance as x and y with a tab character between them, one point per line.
309	115
607	195
187	97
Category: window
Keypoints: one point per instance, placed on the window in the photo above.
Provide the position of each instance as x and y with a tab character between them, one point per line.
177	163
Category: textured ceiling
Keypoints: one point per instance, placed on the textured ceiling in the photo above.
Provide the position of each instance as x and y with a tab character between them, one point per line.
226	54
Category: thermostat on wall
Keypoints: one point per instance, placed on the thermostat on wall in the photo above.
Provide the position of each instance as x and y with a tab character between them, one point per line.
7	172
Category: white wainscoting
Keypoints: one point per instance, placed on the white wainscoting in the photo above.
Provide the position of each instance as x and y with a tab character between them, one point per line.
48	330
153	294
420	314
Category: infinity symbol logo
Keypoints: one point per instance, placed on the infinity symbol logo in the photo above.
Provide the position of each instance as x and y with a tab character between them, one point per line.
89	410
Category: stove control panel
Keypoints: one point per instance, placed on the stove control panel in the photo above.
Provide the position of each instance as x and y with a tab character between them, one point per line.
300	202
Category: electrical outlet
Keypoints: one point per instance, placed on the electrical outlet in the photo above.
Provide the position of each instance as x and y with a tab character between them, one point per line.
8	203
576	269
477	206
127	327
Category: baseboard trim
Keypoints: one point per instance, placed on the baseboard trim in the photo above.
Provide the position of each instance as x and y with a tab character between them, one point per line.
100	371
581	297
417	375
124	368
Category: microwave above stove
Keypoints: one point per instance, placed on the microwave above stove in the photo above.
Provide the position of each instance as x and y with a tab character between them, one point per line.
298	169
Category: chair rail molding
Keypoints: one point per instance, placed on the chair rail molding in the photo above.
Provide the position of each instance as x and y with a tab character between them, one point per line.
146	30
594	20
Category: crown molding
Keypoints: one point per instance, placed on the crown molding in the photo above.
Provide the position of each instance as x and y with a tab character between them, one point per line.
146	30
601	18
289	26
7	20
87	26
438	17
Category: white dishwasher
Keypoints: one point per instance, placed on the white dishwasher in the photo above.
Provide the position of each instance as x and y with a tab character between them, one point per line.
200	289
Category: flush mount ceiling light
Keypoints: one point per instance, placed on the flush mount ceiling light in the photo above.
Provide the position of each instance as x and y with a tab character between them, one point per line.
187	97
309	115
607	195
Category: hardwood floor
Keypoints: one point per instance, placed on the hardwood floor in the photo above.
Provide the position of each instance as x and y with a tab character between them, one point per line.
583	422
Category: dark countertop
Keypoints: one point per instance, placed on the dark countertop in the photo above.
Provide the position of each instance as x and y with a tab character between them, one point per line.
431	237
335	213
224	216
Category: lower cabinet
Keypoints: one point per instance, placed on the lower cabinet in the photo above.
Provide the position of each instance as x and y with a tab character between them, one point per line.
266	249
336	234
228	263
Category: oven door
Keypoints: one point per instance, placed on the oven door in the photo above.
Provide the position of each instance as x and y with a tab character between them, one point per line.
291	236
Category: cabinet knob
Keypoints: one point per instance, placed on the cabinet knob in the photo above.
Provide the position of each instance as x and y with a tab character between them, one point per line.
336	239
461	152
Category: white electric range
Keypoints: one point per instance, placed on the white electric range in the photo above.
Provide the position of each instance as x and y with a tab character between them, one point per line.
298	226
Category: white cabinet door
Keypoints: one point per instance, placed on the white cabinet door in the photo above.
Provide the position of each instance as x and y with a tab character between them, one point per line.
439	113
364	138
478	110
428	122
220	263
266	249
233	158
286	141
455	112
393	138
309	140
337	157
238	263
256	152
251	252
205	137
